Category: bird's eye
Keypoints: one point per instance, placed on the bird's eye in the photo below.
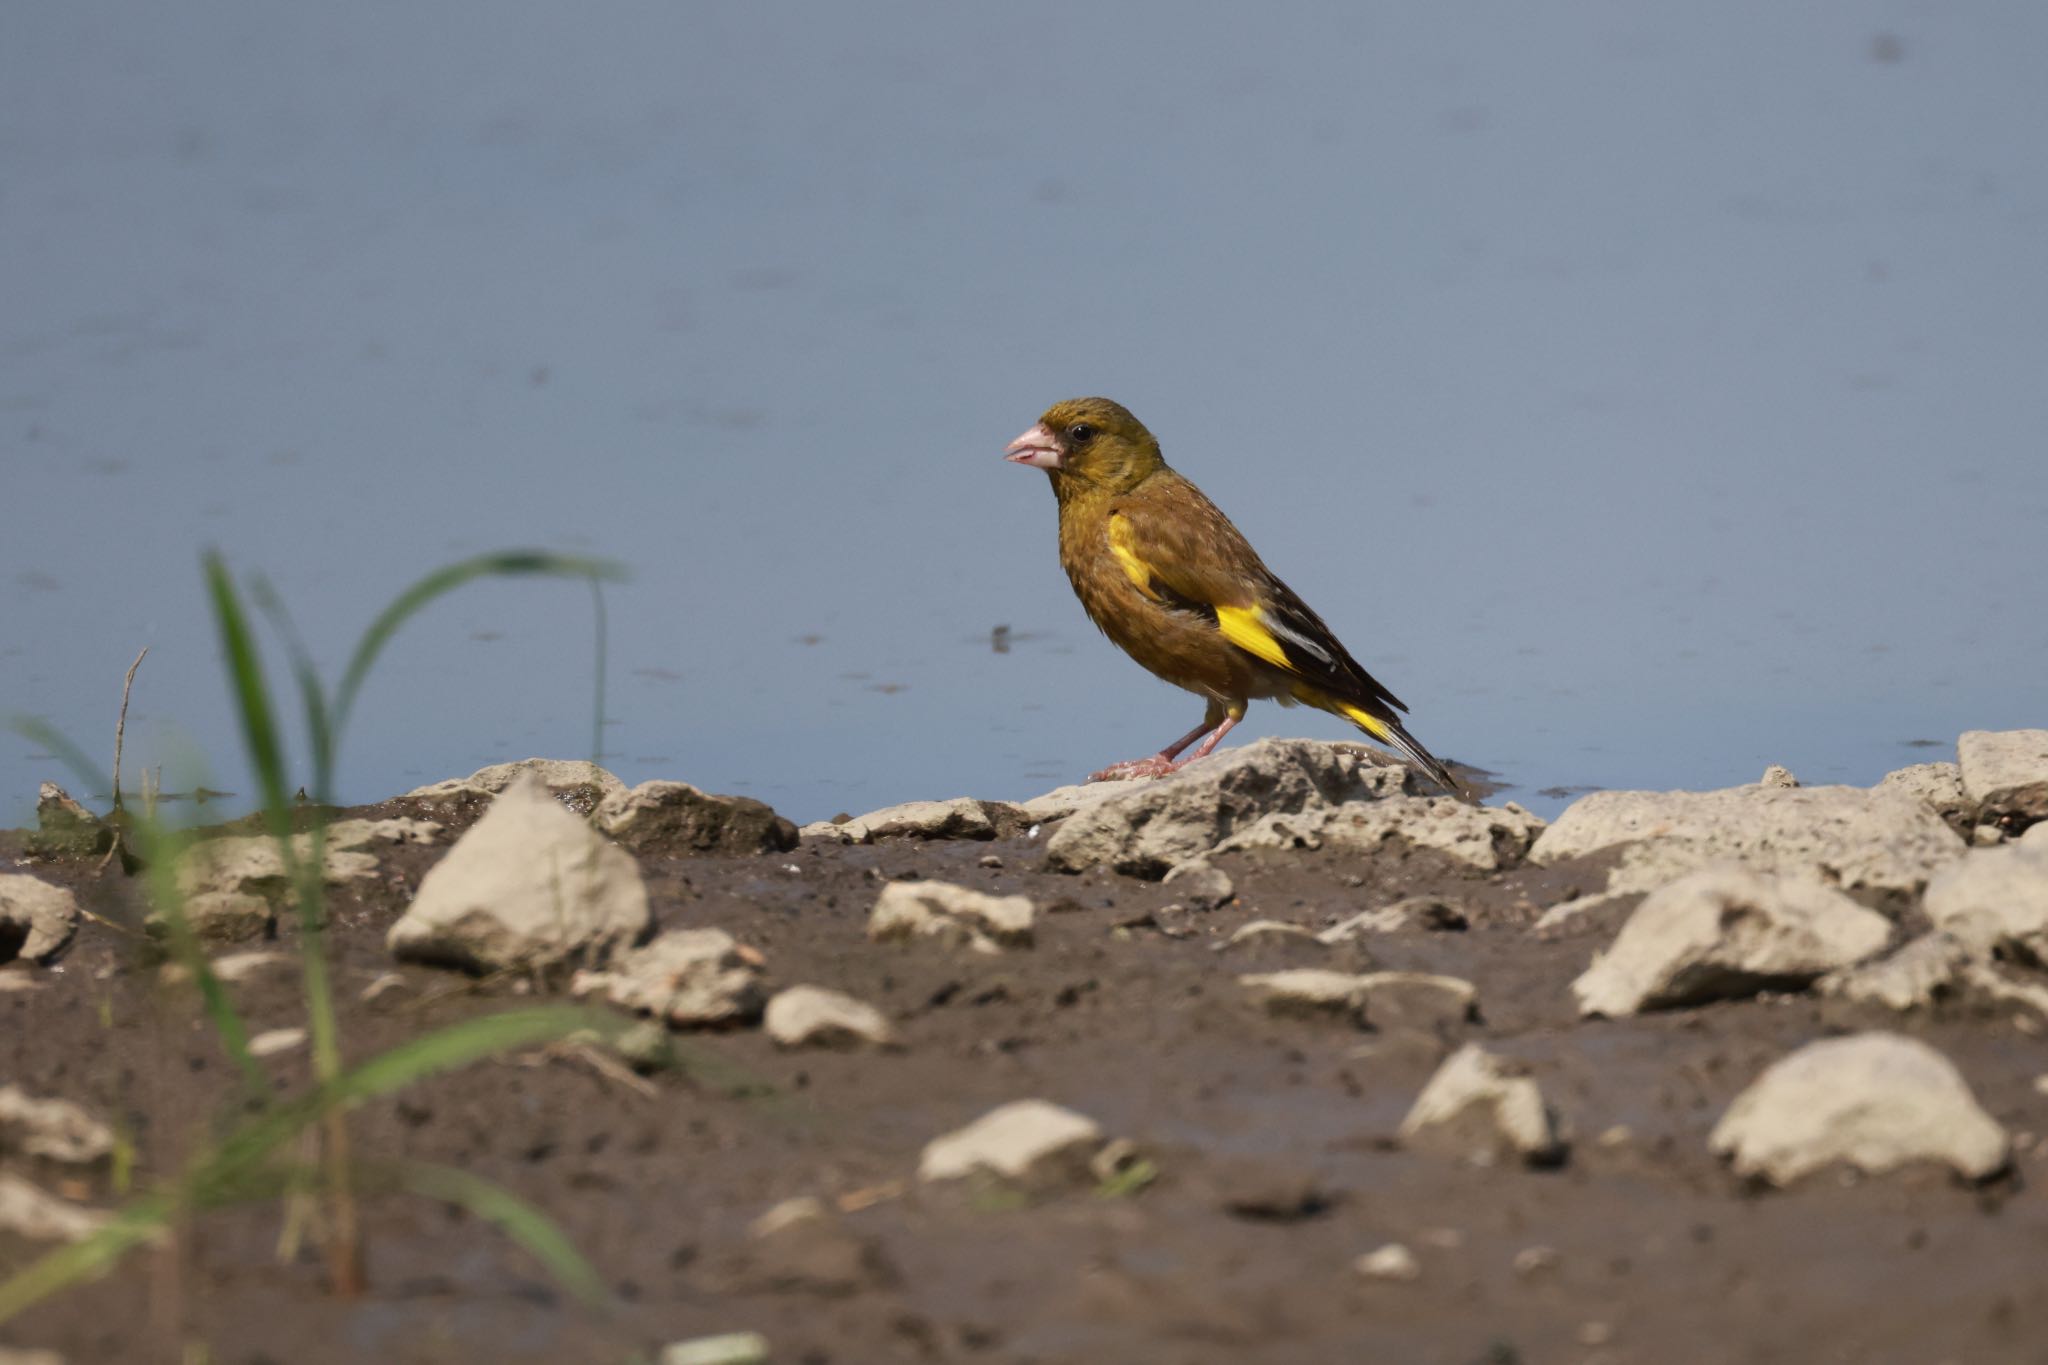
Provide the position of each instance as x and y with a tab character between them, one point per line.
1080	433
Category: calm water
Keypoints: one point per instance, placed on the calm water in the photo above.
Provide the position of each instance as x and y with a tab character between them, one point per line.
1646	394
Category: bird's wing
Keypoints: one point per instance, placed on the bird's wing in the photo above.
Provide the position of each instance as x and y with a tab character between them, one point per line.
1182	552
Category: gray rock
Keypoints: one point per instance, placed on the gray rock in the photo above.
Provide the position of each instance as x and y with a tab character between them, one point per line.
65	829
676	820
1881	840
223	916
1061	802
1024	1140
530	886
1725	932
55	1130
957	915
1410	912
2006	773
811	1016
963	817
1933	968
29	1211
253	864
1994	900
1485	1109
688	978
556	774
1940	786
1390	1262
1777	776
36	918
1419	1001
804	1245
1143	828
1874	1101
1490	838
1200	884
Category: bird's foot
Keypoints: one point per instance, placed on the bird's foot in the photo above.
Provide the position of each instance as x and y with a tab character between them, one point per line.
1159	765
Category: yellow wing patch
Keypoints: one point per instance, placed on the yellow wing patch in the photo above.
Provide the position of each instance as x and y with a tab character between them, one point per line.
1243	627
1120	545
1363	719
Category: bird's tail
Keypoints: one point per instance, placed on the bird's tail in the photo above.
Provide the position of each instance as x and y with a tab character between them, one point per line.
1388	730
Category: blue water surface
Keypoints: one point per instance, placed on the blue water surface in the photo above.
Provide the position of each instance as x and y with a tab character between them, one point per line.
1645	393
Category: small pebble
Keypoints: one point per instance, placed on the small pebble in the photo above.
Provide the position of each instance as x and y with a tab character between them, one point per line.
990	860
1620	1135
1391	1262
1536	1259
274	1041
1595	1333
1444	1239
734	1348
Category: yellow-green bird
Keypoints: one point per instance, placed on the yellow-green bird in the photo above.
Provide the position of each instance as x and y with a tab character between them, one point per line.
1178	588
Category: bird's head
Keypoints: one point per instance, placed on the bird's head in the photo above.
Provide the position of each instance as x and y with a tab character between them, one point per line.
1089	440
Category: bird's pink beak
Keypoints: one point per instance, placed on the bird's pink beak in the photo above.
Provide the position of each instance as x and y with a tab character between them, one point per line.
1036	447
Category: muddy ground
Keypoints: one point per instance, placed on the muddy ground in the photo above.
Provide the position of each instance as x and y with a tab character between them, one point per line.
1273	1138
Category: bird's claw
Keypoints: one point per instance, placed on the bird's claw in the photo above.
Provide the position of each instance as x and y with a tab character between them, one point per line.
1159	765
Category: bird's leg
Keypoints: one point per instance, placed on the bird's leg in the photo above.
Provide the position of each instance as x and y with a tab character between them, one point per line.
1162	762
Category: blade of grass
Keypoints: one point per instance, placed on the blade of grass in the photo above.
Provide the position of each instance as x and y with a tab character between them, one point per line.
140	1222
445	580
516	1218
252	699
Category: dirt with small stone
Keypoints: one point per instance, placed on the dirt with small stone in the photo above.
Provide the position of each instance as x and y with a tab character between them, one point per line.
1210	1169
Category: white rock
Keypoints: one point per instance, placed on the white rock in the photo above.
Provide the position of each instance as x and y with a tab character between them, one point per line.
1269	930
962	817
811	1016
1874	1101
1489	838
958	915
224	916
1391	1262
529	886
733	1348
2005	772
1994	899
551	772
1419	1000
32	1212
1932	968
1777	775
1024	1139
1410	912
1726	932
56	1130
43	916
1199	884
1486	1109
686	977
28	1355
1884	840
228	883
1143	828
1938	785
233	967
272	1042
1061	802
1308	991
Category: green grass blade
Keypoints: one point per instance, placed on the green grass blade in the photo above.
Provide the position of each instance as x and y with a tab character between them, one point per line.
83	1260
517	1219
159	853
252	700
312	696
440	582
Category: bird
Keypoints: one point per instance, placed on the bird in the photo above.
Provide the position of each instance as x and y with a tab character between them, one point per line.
1165	575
